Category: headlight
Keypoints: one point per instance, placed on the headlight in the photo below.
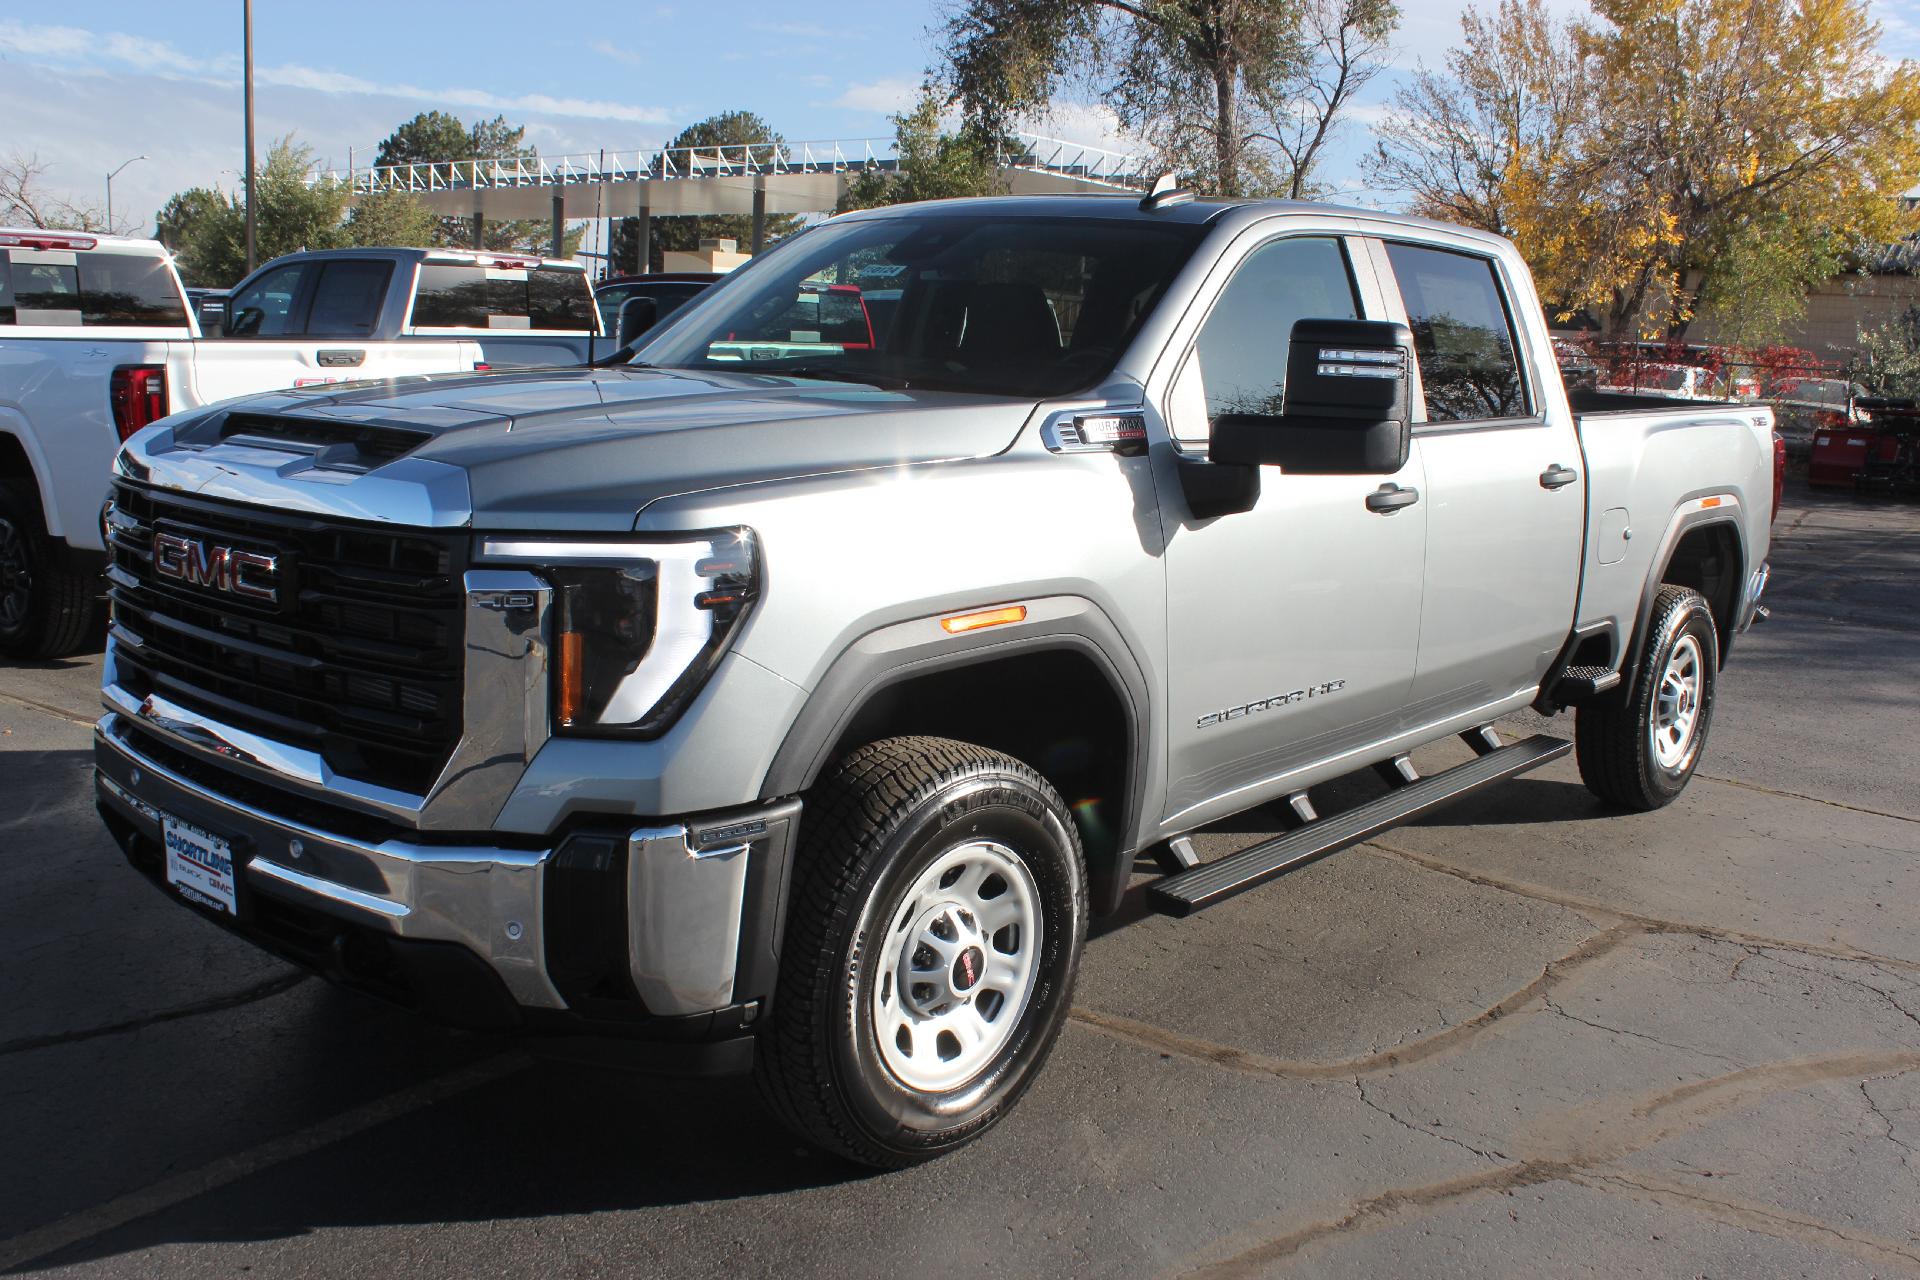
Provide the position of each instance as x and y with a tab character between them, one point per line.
639	624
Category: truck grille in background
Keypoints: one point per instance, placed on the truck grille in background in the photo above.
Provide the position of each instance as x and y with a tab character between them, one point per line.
360	660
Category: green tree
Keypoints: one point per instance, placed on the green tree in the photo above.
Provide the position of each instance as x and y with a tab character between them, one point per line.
933	164
207	229
1239	93
1888	363
438	137
391	218
206	232
743	135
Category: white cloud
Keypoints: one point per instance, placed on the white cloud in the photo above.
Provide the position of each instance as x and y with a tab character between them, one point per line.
799	30
882	97
608	49
73	46
1090	124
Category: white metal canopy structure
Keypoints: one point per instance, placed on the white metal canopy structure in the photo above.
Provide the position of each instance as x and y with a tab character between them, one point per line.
757	180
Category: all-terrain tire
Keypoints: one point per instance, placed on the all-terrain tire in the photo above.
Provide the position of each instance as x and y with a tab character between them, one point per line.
48	609
1628	741
888	835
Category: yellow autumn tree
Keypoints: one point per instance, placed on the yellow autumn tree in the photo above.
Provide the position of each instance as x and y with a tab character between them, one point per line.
1666	157
1773	131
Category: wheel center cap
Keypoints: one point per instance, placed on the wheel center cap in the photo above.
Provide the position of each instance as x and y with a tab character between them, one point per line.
968	968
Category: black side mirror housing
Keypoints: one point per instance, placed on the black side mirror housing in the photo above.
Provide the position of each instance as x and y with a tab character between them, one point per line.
1348	388
637	315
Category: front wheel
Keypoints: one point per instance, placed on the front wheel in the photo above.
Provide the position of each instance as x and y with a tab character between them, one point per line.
1637	748
938	914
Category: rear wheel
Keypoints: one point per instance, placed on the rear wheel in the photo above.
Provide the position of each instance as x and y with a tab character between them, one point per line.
938	914
47	608
1638	747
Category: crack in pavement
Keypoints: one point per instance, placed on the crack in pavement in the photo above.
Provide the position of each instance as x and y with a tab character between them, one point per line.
1907	1149
1637	1035
58	713
1554	972
1796	795
63	1233
1843	979
1493	1157
1767	1220
1651	924
1586	1139
216	1004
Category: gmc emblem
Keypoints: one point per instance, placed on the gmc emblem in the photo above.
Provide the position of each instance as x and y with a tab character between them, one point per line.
248	574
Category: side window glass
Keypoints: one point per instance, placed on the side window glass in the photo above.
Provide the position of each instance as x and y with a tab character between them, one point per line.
1240	358
347	298
1462	336
264	309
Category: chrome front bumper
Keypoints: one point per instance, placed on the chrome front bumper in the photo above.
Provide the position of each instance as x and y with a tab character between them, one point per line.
688	888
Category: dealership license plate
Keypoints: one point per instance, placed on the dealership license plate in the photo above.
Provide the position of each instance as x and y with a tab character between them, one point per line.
199	864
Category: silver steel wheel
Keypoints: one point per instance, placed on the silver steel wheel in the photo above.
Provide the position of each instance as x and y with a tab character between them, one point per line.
1676	705
958	965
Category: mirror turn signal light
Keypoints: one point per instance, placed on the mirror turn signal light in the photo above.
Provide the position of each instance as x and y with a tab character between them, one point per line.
962	622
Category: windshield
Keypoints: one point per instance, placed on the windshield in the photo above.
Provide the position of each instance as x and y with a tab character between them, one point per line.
1006	306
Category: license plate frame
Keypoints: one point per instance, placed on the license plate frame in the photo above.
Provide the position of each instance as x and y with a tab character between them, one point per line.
199	865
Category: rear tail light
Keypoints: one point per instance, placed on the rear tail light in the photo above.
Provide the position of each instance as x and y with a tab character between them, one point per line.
139	396
1779	471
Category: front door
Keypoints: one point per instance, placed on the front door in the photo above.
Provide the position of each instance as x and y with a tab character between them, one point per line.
1292	628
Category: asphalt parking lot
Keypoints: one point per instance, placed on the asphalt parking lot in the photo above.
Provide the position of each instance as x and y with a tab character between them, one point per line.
1527	1037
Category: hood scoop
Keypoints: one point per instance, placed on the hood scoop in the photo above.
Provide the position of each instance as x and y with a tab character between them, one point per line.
336	446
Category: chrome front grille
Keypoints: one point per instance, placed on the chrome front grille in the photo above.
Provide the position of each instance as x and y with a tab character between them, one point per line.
360	660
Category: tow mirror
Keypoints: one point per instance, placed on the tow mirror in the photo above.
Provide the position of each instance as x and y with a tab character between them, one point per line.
1345	411
637	315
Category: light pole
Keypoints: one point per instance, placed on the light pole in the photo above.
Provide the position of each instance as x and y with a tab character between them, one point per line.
246	19
110	178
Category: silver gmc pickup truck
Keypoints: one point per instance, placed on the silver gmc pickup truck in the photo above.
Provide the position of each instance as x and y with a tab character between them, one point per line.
792	696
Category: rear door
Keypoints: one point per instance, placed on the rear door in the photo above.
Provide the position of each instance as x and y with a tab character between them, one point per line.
523	313
1504	491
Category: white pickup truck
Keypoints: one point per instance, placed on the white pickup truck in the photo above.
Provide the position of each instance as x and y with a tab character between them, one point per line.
97	340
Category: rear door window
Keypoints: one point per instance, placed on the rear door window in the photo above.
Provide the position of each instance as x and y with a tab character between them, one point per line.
456	296
265	308
1462	334
105	290
347	298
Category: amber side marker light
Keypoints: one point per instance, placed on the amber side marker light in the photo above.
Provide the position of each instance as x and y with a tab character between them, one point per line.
570	682
960	622
1709	502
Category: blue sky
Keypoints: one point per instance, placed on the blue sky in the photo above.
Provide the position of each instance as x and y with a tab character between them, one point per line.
89	87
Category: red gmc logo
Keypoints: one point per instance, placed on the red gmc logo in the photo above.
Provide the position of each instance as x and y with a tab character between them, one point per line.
248	574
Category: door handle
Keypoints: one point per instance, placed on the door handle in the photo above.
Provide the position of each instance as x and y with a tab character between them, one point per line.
1390	497
339	358
1558	477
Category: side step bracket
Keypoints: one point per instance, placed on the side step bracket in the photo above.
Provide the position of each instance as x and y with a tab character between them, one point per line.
1213	882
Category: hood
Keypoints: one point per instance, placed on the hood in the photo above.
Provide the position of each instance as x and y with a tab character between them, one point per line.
587	448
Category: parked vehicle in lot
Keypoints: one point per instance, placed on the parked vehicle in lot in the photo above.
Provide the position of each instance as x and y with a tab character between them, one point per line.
1671	381
1802	406
669	291
97	340
797	707
209	308
1577	367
